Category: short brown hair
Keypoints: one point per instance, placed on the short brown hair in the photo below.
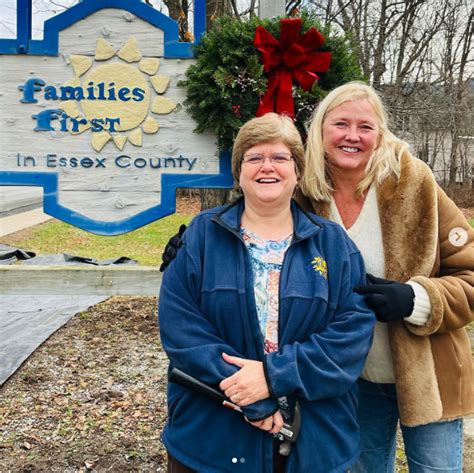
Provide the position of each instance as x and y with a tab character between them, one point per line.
268	128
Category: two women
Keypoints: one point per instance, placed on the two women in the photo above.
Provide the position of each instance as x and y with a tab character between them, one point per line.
259	301
419	250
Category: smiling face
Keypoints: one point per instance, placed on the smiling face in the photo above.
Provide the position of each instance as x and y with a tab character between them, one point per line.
350	134
268	183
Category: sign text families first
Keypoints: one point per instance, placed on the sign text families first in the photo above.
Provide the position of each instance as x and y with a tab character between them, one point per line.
94	91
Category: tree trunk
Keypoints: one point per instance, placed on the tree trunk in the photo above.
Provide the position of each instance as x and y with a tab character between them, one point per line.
459	110
215	9
215	197
178	10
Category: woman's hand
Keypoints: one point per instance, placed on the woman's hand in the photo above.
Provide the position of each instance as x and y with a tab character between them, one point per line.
390	300
246	386
272	424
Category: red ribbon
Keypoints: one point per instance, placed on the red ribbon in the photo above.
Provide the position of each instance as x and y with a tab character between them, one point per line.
293	57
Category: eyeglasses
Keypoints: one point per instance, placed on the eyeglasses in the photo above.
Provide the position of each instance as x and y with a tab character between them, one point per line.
276	158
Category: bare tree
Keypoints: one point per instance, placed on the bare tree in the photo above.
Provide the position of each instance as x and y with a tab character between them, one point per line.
418	54
388	35
455	65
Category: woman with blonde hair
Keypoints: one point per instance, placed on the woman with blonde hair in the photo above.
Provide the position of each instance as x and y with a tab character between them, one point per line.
419	251
418	248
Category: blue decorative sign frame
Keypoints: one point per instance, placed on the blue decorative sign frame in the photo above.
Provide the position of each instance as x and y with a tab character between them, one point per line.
173	48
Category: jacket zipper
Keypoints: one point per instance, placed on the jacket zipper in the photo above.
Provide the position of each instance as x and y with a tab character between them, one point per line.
249	264
248	289
293	242
252	291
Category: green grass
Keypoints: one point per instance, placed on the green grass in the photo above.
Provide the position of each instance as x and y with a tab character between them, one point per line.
144	245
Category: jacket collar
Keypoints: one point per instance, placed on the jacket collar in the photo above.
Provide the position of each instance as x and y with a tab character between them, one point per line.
304	225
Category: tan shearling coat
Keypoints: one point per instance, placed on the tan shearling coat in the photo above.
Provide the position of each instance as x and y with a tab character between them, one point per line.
432	363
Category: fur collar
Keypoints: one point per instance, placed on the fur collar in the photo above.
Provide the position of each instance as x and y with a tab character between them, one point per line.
409	220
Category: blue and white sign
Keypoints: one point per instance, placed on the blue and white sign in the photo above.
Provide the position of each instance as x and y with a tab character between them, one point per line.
94	114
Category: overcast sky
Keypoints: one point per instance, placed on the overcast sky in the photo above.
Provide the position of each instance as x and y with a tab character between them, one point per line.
42	10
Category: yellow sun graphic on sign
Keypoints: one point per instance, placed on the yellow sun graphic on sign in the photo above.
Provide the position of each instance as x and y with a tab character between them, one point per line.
115	97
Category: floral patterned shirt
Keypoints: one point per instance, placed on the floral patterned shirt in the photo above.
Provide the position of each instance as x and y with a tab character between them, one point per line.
267	260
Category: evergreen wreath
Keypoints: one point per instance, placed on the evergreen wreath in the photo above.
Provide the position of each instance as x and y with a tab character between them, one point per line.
225	84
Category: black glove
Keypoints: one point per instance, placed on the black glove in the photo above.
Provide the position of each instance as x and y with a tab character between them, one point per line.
390	300
171	248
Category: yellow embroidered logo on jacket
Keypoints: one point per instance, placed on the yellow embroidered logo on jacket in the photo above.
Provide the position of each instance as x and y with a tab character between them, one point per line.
320	266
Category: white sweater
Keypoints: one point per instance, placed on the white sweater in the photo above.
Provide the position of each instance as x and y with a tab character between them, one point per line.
366	233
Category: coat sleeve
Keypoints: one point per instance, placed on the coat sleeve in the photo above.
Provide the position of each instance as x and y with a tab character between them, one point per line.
329	362
187	336
451	293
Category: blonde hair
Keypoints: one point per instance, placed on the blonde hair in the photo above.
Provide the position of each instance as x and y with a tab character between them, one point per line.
268	128
316	182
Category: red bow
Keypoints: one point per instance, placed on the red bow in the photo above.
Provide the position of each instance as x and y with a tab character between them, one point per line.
294	56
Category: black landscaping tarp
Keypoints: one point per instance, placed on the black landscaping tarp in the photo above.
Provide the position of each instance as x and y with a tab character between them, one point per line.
10	255
26	321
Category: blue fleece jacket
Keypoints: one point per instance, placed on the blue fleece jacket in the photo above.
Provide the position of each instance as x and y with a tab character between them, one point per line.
207	307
